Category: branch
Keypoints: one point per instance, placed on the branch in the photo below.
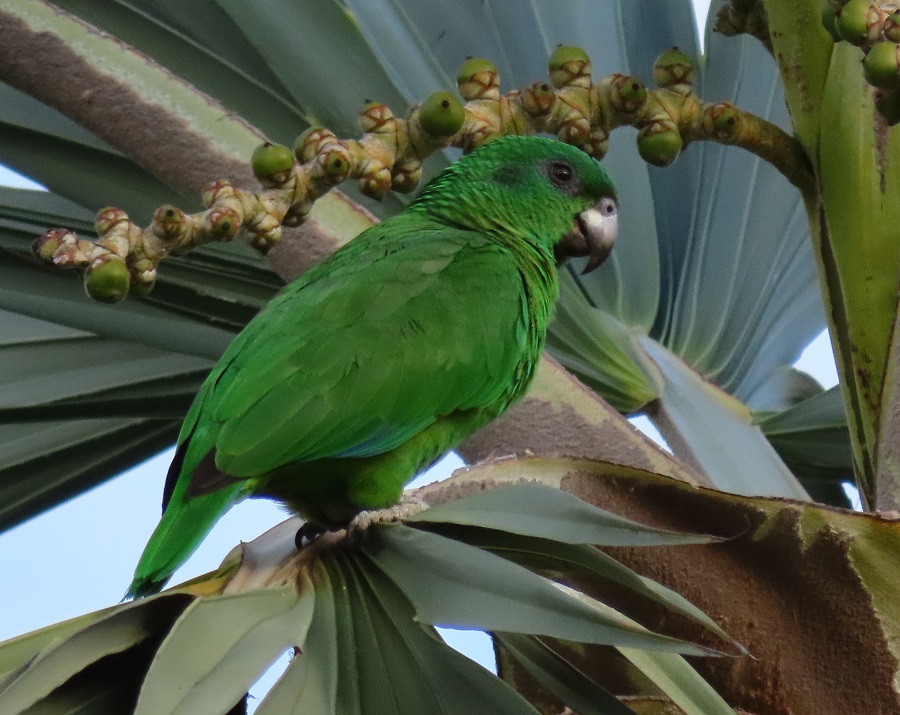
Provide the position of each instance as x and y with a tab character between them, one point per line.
388	156
129	101
745	17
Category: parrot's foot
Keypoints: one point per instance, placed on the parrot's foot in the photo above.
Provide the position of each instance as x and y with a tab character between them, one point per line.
406	507
307	534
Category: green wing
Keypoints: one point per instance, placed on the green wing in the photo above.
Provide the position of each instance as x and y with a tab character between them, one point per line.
366	351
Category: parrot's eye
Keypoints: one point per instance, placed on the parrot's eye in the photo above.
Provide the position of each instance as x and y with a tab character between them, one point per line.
561	173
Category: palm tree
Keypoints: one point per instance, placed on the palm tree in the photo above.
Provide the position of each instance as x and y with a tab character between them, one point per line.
774	223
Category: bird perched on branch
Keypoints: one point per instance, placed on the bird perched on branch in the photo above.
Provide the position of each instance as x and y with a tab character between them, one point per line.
371	366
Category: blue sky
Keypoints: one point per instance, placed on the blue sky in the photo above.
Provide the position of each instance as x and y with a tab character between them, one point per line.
80	556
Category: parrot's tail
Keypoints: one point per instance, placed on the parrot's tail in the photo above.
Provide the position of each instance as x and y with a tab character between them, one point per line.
185	523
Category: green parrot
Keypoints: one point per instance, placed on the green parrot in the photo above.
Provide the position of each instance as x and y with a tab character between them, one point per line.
367	369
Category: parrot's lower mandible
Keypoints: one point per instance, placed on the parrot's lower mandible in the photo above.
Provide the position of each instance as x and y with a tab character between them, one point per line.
371	366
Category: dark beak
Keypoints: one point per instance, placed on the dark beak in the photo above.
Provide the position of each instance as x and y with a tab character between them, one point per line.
593	234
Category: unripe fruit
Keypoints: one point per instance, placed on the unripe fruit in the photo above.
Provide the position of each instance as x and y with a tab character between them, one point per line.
882	65
628	94
107	218
441	114
375	117
566	64
334	163
307	145
852	21
476	77
272	162
44	247
538	99
721	120
892	27
673	68
659	143
223	223
107	279
168	221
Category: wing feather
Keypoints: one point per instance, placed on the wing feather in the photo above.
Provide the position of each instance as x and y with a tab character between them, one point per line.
357	359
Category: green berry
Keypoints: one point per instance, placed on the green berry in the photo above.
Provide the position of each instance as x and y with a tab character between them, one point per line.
223	222
334	163
628	93
892	27
441	114
374	117
633	90
45	246
473	66
302	150
566	63
721	121
673	68
476	78
882	65
168	221
538	99
659	143
271	161
852	21
107	218
107	279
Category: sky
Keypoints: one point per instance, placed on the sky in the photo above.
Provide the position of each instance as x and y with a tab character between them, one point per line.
80	556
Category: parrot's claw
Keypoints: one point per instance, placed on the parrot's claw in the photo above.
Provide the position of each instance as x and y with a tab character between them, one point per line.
406	507
307	534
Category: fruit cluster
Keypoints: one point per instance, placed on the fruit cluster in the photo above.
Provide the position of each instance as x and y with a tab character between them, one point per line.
875	28
389	155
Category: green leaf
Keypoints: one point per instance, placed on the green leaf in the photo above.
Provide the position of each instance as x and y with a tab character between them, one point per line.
671	673
676	678
219	647
601	351
812	436
541	511
858	160
744	298
90	390
716	432
338	71
560	677
45	463
210	26
425	674
39	293
239	90
120	630
574	560
443	578
37	141
56	369
310	682
17	651
785	387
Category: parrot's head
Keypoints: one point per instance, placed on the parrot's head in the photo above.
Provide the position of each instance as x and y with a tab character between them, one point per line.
532	189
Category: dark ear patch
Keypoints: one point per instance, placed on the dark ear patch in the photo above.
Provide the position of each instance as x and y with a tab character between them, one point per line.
509	174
